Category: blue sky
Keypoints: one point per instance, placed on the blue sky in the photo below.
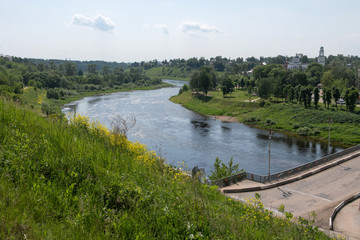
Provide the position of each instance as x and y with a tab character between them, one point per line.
164	29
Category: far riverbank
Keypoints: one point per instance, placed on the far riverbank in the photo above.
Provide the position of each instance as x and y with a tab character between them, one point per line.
289	118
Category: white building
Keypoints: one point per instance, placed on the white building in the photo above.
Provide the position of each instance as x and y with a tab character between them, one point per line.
297	64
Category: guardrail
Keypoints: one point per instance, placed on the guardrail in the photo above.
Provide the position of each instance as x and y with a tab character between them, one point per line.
339	207
262	179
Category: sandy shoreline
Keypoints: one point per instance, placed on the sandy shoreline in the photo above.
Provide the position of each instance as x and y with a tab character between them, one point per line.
226	119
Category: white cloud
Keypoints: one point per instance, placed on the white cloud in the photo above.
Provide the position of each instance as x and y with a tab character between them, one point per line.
163	28
194	28
98	22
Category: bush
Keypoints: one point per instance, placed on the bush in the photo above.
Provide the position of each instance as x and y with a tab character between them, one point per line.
269	122
304	131
222	171
262	103
251	120
184	89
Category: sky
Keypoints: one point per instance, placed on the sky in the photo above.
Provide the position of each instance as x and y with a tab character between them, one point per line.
140	30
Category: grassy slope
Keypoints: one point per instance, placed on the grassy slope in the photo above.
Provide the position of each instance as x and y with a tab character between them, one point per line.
61	181
215	104
284	117
172	73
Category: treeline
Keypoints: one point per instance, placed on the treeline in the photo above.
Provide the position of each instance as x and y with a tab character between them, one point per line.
80	65
332	82
335	83
65	77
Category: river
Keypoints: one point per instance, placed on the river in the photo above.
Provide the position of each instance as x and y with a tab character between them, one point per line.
182	136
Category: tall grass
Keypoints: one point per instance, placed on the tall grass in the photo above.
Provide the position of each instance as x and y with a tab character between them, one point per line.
77	180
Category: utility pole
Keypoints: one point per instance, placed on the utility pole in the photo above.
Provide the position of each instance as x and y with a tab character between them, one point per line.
329	121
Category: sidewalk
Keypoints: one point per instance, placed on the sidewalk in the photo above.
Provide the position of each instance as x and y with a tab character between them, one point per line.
250	186
320	189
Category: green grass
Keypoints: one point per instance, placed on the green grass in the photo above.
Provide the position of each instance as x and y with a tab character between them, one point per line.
286	117
170	73
214	104
78	181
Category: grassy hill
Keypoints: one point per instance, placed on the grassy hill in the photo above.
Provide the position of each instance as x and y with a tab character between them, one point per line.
77	180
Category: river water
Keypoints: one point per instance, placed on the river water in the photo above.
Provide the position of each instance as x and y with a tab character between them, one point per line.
180	135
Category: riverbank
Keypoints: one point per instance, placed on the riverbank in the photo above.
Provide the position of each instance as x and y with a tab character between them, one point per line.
289	118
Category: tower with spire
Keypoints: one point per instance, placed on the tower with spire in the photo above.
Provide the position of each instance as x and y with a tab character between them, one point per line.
321	57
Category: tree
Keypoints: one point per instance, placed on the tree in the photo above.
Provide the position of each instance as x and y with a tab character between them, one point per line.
106	70
70	69
303	96
336	94
222	171
298	93
353	95
308	95
291	93
316	93
227	86
203	79
314	72
328	97
347	99
91	68
264	87
242	83
327	79
298	78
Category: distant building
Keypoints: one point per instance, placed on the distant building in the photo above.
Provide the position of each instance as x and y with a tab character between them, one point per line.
321	57
296	63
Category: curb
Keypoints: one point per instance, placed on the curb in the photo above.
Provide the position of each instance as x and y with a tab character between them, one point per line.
291	180
339	207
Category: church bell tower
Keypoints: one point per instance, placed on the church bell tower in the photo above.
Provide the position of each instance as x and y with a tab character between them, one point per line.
321	57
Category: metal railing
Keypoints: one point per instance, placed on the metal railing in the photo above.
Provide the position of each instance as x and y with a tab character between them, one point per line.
262	179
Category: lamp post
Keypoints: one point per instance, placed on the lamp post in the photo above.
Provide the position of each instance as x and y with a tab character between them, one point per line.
329	121
270	132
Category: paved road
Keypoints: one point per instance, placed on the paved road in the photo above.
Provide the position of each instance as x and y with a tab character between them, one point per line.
347	220
320	193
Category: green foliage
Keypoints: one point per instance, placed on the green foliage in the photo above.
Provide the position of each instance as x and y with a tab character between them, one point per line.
227	86
352	96
264	87
222	171
184	88
61	180
203	79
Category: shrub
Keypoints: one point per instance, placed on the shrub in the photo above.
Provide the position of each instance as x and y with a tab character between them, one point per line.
262	103
222	171
304	131
269	122
251	120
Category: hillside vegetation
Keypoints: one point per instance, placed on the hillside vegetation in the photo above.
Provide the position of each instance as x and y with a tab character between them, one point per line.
78	180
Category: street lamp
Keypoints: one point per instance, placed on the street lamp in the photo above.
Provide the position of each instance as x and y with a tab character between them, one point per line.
329	121
270	132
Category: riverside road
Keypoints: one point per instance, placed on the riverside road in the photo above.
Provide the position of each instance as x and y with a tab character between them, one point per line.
321	193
